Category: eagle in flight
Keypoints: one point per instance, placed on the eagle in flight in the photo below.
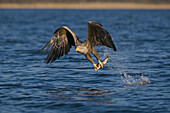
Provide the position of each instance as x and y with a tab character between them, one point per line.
64	39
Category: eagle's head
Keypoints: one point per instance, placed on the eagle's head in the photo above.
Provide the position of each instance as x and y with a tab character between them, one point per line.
82	49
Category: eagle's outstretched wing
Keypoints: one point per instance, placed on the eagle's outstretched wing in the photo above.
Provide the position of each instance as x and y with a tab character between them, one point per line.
96	35
60	44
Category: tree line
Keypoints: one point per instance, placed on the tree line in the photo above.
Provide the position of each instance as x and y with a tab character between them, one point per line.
80	1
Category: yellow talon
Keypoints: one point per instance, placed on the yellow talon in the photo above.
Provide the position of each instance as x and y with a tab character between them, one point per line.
100	64
95	67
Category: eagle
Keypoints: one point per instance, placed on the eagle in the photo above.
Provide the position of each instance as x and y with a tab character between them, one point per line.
64	39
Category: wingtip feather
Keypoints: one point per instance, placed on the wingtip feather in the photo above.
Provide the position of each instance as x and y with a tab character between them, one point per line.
114	48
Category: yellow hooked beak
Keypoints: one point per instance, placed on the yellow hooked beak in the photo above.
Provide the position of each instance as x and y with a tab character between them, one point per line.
76	49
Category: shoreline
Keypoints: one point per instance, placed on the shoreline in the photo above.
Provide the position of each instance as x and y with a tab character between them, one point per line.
98	5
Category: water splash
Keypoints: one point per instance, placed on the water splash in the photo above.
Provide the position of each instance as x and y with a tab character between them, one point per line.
138	79
120	62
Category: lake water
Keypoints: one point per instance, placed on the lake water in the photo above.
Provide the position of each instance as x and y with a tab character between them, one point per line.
135	79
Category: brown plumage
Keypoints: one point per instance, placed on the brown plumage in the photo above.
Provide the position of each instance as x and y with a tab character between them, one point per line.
64	39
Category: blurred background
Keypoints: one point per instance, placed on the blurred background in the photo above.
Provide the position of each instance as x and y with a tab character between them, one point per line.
70	1
86	4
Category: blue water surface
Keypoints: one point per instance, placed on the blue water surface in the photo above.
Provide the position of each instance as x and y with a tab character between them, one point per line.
135	79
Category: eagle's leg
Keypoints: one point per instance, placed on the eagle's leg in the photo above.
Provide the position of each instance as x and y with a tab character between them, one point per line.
91	60
95	53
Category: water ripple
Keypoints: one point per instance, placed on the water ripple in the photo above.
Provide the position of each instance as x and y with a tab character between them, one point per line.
135	79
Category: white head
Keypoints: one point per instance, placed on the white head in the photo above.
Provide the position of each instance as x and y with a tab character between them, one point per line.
82	49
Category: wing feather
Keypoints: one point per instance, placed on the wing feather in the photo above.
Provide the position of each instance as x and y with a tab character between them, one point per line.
97	35
60	44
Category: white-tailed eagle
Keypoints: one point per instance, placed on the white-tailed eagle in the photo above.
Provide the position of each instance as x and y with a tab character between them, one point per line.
64	39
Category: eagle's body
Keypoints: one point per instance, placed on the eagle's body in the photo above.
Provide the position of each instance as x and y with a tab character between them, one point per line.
64	39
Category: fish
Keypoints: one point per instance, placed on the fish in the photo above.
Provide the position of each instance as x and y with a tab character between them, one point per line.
103	62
